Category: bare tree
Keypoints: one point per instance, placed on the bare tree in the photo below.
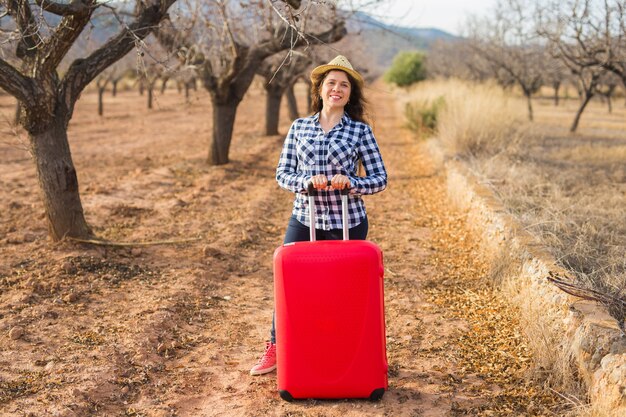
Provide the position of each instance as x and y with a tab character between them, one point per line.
226	59
278	77
101	83
508	41
607	85
457	59
151	75
111	76
290	95
123	68
575	32
292	102
600	33
556	74
41	35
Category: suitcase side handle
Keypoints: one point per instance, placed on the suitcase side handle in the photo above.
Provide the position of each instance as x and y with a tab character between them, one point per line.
312	192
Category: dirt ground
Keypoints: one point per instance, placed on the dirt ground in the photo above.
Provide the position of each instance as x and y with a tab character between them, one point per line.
172	330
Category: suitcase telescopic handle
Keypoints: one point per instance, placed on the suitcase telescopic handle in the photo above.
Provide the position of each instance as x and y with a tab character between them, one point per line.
312	192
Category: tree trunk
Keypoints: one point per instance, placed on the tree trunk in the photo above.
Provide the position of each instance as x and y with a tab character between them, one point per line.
610	103
556	87
100	101
580	112
58	183
114	90
292	103
164	84
530	106
272	110
223	123
150	94
581	94
187	88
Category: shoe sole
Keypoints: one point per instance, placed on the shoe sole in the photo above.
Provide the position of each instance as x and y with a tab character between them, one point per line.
263	371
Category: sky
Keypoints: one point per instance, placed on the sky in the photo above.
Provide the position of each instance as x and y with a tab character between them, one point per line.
447	15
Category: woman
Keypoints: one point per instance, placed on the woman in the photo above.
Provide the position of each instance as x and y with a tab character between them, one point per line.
329	145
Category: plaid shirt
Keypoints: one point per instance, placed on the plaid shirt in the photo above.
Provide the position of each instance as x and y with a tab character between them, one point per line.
308	151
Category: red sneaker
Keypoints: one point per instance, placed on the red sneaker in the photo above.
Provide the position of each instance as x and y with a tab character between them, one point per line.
267	363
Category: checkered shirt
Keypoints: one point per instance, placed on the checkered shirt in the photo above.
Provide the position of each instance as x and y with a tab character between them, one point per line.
308	151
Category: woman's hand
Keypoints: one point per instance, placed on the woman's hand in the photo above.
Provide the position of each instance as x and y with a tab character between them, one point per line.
339	182
319	182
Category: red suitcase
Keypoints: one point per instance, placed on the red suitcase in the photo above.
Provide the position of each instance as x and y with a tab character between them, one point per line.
330	326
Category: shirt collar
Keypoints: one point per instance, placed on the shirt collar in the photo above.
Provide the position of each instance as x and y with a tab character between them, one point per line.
345	119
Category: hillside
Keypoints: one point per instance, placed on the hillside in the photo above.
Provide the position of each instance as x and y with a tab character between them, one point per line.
372	44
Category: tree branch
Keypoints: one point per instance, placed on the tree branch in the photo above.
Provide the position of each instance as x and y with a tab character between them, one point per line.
83	71
76	7
30	37
65	34
293	39
14	82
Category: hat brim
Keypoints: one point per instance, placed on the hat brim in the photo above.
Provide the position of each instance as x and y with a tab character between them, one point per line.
325	68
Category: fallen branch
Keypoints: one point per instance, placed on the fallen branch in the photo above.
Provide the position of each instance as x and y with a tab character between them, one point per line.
616	305
102	242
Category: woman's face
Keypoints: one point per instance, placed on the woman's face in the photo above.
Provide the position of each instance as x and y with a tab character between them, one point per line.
336	90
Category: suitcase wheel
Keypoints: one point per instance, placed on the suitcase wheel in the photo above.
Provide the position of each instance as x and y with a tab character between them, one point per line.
376	395
284	394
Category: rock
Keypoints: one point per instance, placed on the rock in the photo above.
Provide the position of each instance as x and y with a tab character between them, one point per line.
16	333
51	314
27	299
41	362
136	251
34	284
211	252
29	237
71	297
68	267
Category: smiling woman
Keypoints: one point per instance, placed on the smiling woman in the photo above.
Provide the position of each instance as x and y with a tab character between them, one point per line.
324	150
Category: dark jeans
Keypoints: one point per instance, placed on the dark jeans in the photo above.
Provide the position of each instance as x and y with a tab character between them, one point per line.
297	232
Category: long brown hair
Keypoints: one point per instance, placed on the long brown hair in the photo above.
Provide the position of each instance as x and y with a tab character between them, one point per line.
357	105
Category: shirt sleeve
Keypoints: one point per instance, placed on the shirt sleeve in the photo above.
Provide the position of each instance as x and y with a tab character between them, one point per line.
375	179
287	174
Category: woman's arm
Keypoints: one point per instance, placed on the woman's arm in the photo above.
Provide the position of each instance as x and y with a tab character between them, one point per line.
375	179
286	173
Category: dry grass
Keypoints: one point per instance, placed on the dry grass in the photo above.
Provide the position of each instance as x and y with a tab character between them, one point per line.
552	362
569	191
475	119
574	205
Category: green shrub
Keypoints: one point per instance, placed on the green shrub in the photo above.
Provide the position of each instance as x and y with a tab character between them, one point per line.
422	116
407	68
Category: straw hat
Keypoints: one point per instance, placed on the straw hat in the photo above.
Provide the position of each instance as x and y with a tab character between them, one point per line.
341	63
